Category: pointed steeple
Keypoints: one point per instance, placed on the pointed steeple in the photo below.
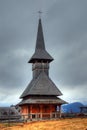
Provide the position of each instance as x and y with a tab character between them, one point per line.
40	52
40	38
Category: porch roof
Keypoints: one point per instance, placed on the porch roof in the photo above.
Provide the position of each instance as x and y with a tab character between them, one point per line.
41	100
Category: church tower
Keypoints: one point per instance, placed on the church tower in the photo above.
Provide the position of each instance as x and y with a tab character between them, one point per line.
41	57
40	98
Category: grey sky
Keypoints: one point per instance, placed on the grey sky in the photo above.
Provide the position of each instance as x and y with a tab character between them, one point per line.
65	34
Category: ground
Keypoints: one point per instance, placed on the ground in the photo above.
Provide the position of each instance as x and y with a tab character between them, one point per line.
60	124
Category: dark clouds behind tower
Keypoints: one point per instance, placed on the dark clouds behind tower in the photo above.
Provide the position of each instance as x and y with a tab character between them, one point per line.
65	34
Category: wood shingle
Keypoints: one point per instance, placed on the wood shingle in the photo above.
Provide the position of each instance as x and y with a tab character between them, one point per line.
40	51
43	85
40	98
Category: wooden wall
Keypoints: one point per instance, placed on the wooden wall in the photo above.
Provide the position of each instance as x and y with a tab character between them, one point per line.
38	108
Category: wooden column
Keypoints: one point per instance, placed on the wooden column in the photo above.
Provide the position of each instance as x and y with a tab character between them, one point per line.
41	107
60	111
50	111
30	112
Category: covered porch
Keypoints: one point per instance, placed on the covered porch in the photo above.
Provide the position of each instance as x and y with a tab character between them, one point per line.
41	116
40	111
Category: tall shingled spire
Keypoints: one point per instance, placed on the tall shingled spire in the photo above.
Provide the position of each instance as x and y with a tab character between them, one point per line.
40	38
40	52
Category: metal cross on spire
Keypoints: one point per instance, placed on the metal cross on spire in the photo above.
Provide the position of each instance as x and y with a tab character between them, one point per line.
39	12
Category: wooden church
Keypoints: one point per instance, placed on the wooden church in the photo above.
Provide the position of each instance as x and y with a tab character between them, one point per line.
40	99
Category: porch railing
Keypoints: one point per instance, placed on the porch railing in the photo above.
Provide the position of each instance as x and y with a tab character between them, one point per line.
38	116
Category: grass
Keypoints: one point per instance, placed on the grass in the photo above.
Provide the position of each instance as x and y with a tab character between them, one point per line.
61	124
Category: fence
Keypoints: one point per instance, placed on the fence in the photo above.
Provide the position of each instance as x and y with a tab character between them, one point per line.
40	116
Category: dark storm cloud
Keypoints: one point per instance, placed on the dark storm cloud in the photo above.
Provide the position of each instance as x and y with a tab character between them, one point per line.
65	32
72	65
14	31
70	39
69	18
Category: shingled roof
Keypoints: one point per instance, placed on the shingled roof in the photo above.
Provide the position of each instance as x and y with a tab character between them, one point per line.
41	89
40	52
42	85
9	112
43	100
